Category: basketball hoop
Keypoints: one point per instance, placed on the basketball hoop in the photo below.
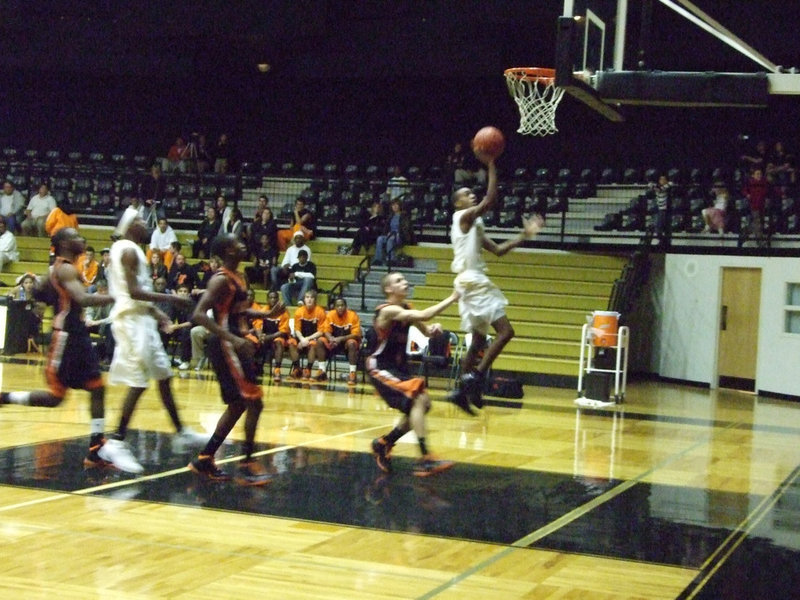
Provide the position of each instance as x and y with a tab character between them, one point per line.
537	97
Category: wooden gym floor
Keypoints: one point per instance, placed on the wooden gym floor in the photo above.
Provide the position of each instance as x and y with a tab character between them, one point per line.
679	493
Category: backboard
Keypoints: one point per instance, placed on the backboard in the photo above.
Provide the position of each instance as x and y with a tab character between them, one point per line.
603	51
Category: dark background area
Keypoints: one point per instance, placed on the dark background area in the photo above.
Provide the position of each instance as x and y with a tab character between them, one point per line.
364	82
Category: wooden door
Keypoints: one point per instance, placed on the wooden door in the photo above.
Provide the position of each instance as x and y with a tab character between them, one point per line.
738	338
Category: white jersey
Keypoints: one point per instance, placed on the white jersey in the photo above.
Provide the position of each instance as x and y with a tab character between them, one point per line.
467	247
118	286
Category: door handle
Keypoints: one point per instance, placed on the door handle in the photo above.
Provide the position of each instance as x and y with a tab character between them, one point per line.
723	325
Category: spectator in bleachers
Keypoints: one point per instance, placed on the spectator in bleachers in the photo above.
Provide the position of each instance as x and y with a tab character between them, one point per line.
175	157
463	168
180	273
88	268
264	224
756	190
280	273
309	329
23	290
12	203
225	213
255	326
302	277
157	268
59	218
204	158
162	238
208	230
714	216
203	274
662	190
370	229
264	258
36	212
397	232
275	332
780	166
97	319
397	184
302	220
104	264
180	329
757	158
343	334
235	226
152	187
222	154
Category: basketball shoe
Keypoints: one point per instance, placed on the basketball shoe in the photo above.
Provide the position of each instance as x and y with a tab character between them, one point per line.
383	454
118	454
429	465
207	468
276	375
252	473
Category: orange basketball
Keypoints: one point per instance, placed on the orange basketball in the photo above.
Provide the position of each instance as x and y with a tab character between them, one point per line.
489	140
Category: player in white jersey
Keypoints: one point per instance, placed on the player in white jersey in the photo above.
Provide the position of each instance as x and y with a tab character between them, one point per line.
139	354
481	303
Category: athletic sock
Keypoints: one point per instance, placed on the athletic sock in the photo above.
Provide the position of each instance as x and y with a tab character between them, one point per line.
23	398
247	448
394	435
353	368
422	447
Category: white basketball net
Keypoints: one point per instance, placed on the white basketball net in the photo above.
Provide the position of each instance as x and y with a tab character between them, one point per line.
537	99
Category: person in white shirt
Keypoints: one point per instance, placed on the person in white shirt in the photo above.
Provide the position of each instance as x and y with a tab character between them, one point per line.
225	213
8	245
163	236
281	272
11	202
36	213
480	303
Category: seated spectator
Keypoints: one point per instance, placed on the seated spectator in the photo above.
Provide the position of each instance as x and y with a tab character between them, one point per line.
24	288
463	167
397	185
204	158
157	268
180	273
199	336
714	216
88	268
343	334
208	230
104	264
370	229
302	277
203	273
8	245
780	166
264	258
161	240
276	334
11	205
175	157
39	207
59	218
225	213
235	226
264	225
309	330
179	328
397	232
24	291
253	331
302	220
152	187
280	273
98	320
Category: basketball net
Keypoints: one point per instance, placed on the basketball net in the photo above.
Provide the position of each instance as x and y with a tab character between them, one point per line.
537	97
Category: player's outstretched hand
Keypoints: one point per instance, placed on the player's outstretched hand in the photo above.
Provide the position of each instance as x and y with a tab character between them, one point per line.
533	225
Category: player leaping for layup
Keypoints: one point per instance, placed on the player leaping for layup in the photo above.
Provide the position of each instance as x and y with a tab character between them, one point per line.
481	303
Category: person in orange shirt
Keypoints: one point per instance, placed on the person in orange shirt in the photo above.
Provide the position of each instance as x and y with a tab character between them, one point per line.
59	218
309	327
276	333
87	268
343	334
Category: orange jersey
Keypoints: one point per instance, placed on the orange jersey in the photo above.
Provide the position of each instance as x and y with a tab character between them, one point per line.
347	324
58	219
256	324
87	270
309	322
278	323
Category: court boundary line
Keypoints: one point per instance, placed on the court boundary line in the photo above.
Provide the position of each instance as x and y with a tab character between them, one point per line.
563	520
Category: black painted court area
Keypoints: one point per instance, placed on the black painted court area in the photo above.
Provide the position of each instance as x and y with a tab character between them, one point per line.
649	523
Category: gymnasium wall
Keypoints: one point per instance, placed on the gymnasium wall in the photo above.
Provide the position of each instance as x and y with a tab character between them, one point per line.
683	300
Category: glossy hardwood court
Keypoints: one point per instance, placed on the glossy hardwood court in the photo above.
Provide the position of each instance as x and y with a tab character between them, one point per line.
679	493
